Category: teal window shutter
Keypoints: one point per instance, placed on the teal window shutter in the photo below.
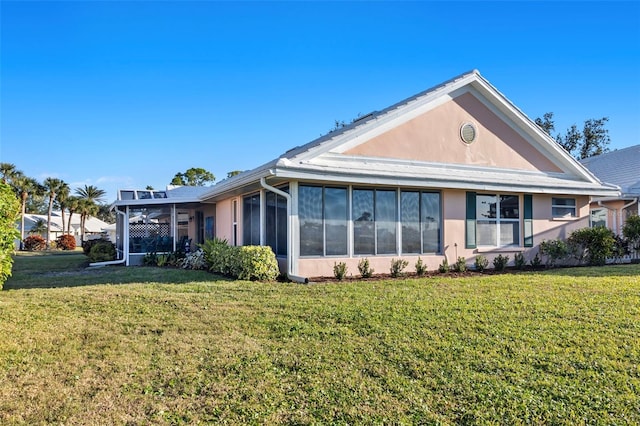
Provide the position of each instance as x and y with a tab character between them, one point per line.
470	222
528	220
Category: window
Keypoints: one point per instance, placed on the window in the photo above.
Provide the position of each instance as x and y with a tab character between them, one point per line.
209	230
563	207
420	218
276	222
598	218
322	212
497	220
375	215
234	213
251	220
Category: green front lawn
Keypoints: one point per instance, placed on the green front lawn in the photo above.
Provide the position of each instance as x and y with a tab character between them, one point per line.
147	345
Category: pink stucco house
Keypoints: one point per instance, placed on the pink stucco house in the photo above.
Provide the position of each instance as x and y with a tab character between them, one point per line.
456	170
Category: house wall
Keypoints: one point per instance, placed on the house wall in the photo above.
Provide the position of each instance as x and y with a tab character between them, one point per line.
224	219
435	137
453	238
616	215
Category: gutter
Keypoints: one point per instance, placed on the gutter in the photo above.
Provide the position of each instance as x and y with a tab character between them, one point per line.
290	256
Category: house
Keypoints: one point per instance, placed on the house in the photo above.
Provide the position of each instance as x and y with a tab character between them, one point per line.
454	171
620	167
93	226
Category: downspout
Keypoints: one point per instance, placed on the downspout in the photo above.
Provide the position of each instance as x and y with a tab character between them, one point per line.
290	256
125	248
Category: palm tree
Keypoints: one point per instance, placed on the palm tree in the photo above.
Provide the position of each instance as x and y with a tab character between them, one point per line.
72	203
8	172
86	208
52	187
91	193
39	228
61	199
24	187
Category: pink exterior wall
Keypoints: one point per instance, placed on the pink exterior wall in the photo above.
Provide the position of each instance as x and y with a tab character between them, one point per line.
435	137
453	243
224	219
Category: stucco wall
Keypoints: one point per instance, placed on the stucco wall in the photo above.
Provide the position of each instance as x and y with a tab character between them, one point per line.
435	137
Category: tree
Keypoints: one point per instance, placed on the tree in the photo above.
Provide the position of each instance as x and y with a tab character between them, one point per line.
8	172
61	199
193	177
52	187
38	228
73	204
592	140
86	208
24	187
233	173
546	122
9	211
91	193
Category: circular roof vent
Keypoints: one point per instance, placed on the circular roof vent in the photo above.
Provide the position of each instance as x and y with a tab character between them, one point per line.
468	133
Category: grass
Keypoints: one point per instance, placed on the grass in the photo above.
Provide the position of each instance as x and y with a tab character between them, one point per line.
159	346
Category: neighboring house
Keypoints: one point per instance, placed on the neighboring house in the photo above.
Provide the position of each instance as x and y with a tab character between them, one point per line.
622	168
457	170
93	226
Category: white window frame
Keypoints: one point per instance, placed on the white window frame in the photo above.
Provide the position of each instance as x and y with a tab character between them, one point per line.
606	216
554	206
498	220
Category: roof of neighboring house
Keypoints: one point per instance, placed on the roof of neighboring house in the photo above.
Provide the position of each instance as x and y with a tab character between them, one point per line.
174	193
620	167
324	158
92	224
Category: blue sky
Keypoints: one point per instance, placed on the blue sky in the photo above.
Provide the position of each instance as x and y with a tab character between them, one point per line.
125	94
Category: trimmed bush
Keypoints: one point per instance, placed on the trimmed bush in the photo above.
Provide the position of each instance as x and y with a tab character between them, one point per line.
631	231
421	269
519	261
555	251
365	268
87	245
481	263
397	267
460	265
221	257
257	263
34	243
66	242
592	245
536	262
339	270
443	268
102	251
500	262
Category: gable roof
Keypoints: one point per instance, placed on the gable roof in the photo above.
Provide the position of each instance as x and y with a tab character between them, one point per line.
326	158
620	167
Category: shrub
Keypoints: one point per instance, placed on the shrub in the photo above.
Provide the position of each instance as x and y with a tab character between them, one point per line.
500	262
536	262
339	270
554	251
195	260
150	259
87	245
443	268
365	268
460	265
519	261
592	245
102	251
66	242
421	269
631	231
221	257
257	263
34	243
481	263
9	213
397	267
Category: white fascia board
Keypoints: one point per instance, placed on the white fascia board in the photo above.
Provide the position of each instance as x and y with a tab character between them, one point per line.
154	202
237	182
